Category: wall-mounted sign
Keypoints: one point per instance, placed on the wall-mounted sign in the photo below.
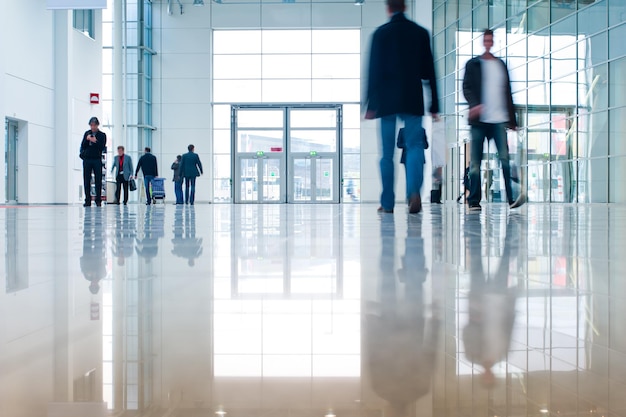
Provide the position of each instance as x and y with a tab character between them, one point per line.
260	154
94	98
276	149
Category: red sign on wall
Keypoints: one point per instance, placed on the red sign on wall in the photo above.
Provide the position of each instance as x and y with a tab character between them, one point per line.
94	98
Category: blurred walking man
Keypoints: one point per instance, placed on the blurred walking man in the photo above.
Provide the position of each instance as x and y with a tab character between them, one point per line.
487	89
400	58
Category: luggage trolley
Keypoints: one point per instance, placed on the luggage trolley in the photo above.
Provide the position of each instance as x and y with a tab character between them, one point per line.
157	191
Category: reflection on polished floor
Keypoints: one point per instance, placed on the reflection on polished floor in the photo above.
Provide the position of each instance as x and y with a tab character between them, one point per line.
320	311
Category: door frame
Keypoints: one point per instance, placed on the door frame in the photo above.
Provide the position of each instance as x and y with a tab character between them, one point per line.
11	160
260	164
285	155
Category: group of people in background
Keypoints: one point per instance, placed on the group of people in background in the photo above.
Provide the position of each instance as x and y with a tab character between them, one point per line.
186	169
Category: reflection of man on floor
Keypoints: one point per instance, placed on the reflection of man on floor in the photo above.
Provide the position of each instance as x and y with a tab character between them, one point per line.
487	335
400	341
123	237
186	244
148	247
93	261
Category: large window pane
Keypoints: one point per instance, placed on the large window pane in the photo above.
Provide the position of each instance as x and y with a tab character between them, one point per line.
236	66
286	91
286	66
221	141
227	91
286	41
313	118
336	41
236	42
336	90
336	66
260	118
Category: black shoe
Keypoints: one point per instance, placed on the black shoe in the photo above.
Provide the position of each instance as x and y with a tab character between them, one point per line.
475	207
124	203
382	210
87	205
415	204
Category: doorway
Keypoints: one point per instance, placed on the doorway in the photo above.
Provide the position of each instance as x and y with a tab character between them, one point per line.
10	160
286	153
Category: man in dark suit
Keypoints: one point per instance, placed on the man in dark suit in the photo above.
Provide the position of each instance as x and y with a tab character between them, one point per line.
124	165
91	148
400	58
148	165
190	169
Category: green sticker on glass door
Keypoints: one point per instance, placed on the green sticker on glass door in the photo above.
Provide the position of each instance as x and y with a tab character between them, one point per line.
326	174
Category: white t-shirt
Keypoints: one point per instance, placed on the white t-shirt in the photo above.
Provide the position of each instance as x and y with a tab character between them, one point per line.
494	92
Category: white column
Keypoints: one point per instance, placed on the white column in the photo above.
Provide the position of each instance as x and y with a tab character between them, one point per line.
63	73
119	137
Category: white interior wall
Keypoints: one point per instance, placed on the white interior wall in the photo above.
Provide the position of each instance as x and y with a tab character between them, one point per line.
44	81
182	73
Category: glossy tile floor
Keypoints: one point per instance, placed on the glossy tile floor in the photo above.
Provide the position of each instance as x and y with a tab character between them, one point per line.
317	311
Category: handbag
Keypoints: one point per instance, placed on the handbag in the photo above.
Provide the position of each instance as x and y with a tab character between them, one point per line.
132	185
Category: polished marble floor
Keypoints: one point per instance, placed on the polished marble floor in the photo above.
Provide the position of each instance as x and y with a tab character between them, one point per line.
320	311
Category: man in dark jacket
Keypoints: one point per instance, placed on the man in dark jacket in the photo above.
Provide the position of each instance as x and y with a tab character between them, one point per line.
400	58
487	89
190	169
91	148
148	165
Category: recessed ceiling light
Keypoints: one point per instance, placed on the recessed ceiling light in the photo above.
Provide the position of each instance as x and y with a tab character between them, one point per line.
544	411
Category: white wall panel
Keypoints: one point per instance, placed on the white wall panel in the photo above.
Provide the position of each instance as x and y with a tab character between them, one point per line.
336	15
186	90
177	116
285	16
186	41
231	16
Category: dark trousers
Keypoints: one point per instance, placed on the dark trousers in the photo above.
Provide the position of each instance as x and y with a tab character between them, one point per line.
147	182
95	166
497	132
178	190
121	182
190	190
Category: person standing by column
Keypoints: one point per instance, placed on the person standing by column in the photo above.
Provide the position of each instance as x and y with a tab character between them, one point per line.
91	148
400	58
487	89
124	165
148	165
190	169
178	180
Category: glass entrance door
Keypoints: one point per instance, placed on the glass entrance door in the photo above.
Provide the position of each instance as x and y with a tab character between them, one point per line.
286	153
314	178
260	179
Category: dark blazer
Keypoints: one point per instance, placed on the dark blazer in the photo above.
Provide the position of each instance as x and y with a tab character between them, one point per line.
190	165
93	150
127	168
400	58
176	169
473	89
148	165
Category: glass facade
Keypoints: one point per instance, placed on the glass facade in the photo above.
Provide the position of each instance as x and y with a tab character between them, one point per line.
138	53
567	62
